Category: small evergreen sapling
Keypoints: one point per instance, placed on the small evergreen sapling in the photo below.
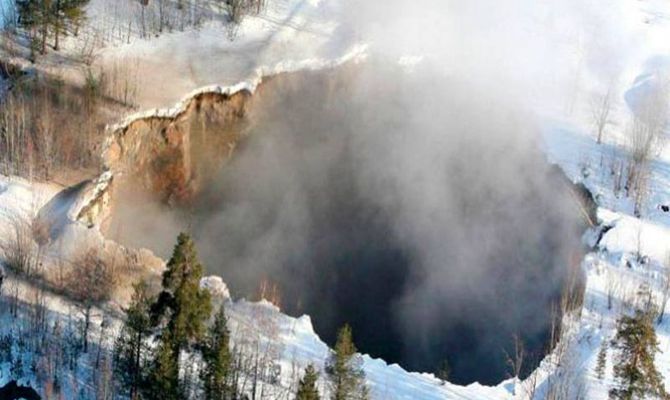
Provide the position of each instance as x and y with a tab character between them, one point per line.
307	387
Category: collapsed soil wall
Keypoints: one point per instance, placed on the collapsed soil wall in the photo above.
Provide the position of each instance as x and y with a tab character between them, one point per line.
170	157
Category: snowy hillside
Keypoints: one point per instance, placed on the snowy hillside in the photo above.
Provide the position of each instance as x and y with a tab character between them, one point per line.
632	253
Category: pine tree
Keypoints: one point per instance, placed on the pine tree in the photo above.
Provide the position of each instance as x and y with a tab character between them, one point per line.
36	15
163	380
131	346
183	308
46	15
66	12
216	355
344	369
634	371
307	387
182	301
601	363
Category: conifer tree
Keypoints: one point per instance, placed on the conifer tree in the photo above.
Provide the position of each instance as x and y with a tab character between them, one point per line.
66	12
344	369
46	15
163	380
634	370
131	346
307	387
186	305
35	15
217	358
601	362
183	309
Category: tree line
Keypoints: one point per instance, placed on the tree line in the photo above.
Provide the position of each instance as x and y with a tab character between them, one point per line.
162	330
50	18
46	20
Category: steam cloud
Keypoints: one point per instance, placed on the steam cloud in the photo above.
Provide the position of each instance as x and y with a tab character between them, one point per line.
414	205
421	214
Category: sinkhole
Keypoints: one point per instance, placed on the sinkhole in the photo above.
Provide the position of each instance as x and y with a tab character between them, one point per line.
415	207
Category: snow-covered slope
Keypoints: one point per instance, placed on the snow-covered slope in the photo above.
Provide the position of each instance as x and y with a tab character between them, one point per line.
296	34
288	35
632	255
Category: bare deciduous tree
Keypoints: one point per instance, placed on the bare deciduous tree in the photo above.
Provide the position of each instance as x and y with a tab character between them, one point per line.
567	380
90	283
238	9
256	352
645	139
601	108
18	250
515	361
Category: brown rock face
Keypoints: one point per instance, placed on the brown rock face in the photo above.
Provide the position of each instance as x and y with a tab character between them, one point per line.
170	157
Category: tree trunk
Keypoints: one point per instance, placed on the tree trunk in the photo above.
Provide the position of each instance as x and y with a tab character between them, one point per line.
600	135
57	37
134	392
44	38
144	27
87	323
57	26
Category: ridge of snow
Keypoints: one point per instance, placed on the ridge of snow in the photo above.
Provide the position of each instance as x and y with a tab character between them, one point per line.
302	345
356	54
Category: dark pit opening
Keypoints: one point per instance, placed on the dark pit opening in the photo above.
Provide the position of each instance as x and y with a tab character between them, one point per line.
419	211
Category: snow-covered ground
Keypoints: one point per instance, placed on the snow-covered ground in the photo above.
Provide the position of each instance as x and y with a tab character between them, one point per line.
289	34
634	254
296	34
